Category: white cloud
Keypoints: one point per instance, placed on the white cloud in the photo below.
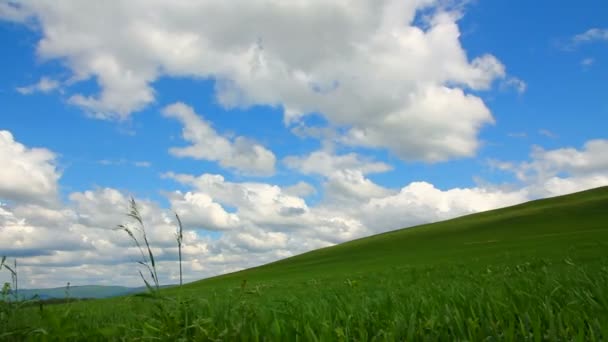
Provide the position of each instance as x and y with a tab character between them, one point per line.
439	123
325	163
256	222
364	66
102	208
22	238
258	241
593	34
587	62
547	133
515	83
77	243
351	188
45	85
142	163
122	161
13	12
27	174
300	189
593	157
258	204
238	153
198	210
564	170
81	248
353	206
421	202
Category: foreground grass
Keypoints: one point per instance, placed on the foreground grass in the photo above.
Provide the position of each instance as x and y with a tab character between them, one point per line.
533	272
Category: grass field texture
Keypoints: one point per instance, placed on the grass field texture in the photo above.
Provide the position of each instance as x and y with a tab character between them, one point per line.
532	272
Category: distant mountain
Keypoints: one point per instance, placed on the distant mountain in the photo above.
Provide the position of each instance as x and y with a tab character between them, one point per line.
87	291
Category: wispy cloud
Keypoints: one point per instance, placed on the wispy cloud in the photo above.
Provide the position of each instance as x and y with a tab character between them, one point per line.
142	164
591	35
587	62
122	161
547	133
45	85
238	153
515	83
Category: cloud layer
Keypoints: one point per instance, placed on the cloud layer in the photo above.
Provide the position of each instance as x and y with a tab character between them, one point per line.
255	222
381	71
27	174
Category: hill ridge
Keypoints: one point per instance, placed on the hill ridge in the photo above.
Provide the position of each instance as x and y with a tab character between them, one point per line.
526	213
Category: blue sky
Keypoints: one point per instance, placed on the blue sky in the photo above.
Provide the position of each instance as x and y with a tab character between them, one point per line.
427	111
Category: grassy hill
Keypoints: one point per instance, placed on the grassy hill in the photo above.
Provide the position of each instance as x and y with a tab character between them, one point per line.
574	225
536	271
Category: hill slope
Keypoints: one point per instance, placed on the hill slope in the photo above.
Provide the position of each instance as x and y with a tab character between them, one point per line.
536	271
575	225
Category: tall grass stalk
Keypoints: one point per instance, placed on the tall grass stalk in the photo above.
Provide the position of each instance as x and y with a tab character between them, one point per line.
179	238
14	276
147	258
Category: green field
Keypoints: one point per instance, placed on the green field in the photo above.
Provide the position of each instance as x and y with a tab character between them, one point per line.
536	271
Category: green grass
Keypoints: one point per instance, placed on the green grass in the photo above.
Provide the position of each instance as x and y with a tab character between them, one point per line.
537	271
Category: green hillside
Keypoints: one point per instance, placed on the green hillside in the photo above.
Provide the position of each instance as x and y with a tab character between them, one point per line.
536	271
573	225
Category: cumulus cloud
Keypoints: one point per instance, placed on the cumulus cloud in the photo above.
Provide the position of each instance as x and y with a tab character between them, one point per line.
325	163
13	12
345	183
77	242
350	188
348	191
198	210
256	222
238	153
564	170
45	85
352	207
257	204
300	189
365	66
421	202
101	208
591	158
439	123
27	174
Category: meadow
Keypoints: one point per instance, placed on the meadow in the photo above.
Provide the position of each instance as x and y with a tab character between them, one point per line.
532	272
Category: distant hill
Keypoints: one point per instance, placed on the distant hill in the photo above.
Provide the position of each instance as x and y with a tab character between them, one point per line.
87	291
